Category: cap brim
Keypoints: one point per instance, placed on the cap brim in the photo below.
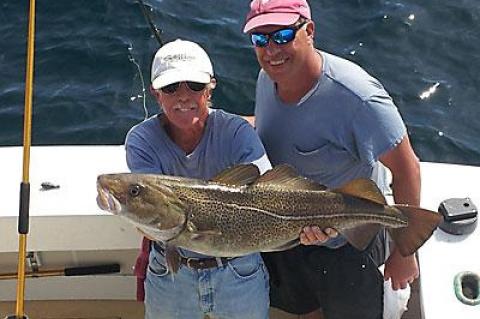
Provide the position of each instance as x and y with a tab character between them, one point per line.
271	19
177	75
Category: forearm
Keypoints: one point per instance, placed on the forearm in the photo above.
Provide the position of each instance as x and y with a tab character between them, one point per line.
406	190
405	168
407	186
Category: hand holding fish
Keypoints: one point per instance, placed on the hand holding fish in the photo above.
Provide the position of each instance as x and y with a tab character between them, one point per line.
401	270
313	235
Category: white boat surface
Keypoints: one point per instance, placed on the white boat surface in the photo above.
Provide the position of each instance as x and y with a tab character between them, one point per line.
67	229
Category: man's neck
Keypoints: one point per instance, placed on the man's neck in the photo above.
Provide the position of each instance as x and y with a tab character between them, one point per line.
302	81
186	138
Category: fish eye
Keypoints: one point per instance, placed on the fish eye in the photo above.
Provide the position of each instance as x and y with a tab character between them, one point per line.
134	190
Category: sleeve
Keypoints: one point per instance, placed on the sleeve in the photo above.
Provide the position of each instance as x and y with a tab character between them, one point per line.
140	156
247	147
377	127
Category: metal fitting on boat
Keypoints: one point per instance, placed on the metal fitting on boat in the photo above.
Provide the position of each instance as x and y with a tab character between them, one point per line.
467	288
459	216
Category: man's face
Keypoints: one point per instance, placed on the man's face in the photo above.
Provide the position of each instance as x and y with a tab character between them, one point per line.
282	61
184	108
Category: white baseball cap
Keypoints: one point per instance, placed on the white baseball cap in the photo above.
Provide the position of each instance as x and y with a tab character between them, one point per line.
180	61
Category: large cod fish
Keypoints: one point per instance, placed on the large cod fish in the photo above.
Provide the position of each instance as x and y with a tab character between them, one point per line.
240	211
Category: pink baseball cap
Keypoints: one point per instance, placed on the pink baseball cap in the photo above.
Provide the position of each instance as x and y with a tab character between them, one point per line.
275	12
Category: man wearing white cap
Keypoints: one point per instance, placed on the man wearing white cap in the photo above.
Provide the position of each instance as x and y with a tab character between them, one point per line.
339	124
189	139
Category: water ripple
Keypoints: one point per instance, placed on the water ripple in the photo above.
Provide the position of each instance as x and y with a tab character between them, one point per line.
426	53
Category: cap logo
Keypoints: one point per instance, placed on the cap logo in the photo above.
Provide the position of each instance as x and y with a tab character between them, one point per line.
178	57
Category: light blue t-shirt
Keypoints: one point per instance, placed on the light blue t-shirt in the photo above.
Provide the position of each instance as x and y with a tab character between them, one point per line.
338	130
227	140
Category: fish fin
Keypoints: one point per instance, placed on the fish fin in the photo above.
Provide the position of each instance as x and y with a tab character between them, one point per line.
172	258
288	245
361	236
238	175
363	188
421	224
202	233
286	176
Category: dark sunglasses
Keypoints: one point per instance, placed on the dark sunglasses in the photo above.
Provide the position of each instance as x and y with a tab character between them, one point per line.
193	86
281	36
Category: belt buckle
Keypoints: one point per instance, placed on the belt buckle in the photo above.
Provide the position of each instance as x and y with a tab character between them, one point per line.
203	263
189	261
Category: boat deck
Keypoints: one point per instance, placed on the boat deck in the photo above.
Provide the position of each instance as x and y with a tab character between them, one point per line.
68	229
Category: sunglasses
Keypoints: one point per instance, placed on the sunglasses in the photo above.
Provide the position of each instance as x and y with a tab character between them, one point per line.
281	36
192	86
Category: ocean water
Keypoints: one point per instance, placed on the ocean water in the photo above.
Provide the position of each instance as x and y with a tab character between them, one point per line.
92	55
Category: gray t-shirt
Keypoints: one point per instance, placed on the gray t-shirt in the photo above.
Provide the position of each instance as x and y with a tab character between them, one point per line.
228	140
338	130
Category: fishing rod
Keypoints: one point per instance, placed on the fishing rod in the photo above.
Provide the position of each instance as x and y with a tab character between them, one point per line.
155	31
72	271
24	208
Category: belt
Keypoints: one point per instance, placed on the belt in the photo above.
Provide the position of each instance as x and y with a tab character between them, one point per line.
197	263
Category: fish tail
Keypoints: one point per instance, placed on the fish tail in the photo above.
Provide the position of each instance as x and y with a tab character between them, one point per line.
421	224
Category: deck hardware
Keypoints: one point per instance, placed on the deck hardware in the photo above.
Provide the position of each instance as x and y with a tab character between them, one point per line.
467	288
46	186
459	216
33	260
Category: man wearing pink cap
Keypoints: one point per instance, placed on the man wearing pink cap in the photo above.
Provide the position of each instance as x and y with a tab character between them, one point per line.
334	123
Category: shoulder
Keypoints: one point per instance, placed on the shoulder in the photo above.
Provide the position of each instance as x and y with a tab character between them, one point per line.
352	78
227	122
144	128
232	128
145	135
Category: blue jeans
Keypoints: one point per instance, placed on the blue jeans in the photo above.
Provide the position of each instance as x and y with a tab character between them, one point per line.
237	290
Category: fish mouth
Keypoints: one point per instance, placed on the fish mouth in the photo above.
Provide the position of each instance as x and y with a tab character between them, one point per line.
162	234
108	202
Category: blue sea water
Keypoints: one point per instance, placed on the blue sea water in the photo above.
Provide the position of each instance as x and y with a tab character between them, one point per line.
88	89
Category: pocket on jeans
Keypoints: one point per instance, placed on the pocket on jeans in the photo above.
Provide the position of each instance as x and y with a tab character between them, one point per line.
157	267
245	267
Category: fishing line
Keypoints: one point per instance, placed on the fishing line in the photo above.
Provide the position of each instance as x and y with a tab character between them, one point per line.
139	71
156	33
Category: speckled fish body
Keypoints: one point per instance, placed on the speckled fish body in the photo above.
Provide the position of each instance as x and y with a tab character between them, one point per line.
240	212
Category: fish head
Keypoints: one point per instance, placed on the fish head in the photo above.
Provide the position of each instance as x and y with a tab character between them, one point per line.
142	199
